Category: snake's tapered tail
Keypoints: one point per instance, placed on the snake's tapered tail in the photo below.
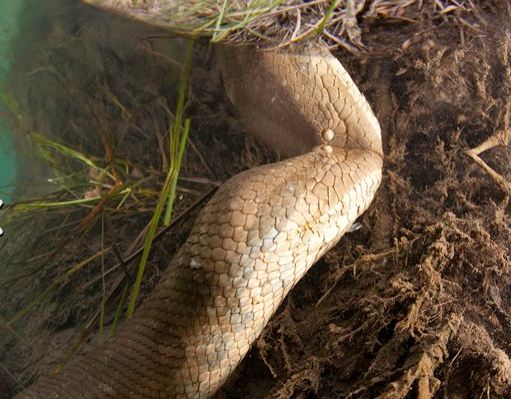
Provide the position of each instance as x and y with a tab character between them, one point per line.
252	242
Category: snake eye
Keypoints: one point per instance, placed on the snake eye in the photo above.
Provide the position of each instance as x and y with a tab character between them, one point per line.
327	135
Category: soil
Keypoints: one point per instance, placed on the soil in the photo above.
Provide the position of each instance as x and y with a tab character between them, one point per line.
415	304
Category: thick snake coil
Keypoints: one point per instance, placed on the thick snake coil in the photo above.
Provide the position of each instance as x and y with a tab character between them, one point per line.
253	241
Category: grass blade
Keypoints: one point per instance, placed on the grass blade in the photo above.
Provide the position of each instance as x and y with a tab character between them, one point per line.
167	193
172	193
56	282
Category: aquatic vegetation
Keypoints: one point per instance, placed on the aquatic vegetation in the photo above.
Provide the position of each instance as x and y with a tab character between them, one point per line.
88	192
178	135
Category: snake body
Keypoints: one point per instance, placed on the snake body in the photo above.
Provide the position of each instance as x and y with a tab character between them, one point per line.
253	241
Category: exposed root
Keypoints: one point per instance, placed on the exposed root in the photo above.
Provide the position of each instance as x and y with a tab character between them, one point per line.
419	368
501	138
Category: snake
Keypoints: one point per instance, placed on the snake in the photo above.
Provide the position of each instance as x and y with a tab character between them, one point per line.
255	238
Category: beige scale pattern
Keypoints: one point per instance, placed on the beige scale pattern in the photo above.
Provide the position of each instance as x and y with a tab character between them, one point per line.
253	241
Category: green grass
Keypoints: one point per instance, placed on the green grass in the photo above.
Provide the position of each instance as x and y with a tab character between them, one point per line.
117	193
178	135
328	15
232	19
214	19
63	277
73	187
47	148
177	141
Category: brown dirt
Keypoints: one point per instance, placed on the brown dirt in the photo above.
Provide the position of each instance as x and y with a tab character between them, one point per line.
415	304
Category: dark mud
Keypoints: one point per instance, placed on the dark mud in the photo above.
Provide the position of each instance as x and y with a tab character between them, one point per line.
416	304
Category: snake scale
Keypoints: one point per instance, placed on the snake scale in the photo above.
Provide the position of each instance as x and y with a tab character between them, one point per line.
253	241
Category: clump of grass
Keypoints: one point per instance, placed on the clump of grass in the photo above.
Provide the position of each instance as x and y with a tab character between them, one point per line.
99	188
340	24
70	272
216	20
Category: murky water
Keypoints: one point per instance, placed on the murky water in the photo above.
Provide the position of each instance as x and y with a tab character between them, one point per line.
432	250
8	159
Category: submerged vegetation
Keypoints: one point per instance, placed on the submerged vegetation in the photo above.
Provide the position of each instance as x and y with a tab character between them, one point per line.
178	135
104	187
103	204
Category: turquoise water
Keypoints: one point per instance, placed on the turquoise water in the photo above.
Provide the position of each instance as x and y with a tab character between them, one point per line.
8	160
